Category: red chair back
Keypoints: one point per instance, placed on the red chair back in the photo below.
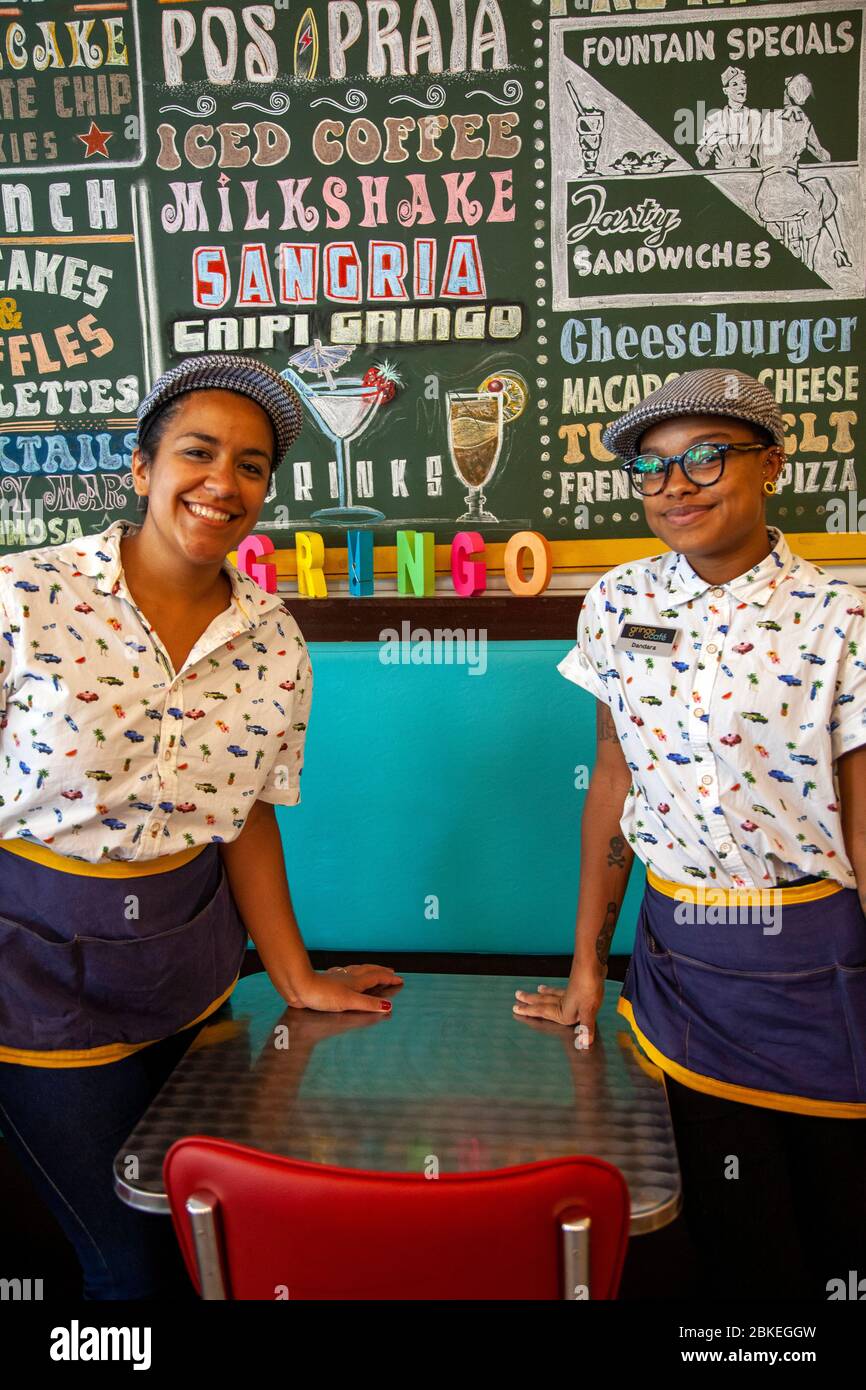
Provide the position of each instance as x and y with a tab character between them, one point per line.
298	1230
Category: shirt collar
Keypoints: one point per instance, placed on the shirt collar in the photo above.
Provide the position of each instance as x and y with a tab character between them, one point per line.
756	585
98	556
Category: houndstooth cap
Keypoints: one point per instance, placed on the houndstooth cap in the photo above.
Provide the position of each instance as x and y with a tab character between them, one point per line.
707	391
223	371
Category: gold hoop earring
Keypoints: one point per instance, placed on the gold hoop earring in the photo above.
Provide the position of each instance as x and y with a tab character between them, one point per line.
769	487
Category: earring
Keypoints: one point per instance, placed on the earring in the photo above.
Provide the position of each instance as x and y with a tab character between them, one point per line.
769	487
142	502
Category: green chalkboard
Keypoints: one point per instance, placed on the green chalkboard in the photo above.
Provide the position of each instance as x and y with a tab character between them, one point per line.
471	231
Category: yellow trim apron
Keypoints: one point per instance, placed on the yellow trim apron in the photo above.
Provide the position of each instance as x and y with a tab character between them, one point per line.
99	960
755	995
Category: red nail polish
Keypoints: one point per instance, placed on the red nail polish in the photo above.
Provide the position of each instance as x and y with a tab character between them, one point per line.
385	1004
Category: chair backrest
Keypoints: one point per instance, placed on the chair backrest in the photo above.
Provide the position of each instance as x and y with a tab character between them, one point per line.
298	1230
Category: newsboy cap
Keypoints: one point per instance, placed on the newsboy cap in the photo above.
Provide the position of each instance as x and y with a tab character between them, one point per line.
707	391
224	371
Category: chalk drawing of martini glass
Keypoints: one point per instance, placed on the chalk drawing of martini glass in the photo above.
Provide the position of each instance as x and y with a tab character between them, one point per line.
475	423
343	408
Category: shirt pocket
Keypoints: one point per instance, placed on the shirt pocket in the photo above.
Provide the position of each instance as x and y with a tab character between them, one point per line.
791	693
651	687
788	669
251	748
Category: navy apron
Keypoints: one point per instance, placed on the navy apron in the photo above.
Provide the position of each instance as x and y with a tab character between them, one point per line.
754	995
100	959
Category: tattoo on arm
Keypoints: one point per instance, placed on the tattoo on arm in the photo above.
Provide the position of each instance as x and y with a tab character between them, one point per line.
616	852
604	726
605	936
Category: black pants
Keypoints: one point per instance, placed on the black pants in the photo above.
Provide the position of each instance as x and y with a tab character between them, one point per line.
65	1126
795	1216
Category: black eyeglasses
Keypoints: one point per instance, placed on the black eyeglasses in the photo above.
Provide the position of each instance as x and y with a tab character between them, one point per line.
702	464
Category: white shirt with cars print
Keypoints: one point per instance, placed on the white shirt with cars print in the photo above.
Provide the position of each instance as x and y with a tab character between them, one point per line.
732	738
105	751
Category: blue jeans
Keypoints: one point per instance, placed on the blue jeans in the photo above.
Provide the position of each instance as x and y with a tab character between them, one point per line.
65	1126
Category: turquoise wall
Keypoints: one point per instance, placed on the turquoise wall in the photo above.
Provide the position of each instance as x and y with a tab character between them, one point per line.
426	781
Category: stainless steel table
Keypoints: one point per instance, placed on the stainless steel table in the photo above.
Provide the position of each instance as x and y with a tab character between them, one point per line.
451	1072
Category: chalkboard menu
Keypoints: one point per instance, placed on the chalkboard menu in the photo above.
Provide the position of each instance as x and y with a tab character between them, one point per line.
470	232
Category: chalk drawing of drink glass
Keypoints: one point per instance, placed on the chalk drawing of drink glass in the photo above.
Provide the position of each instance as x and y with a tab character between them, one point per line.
590	128
475	425
343	408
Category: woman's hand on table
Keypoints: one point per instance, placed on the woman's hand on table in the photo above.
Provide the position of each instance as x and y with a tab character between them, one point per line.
342	987
575	1006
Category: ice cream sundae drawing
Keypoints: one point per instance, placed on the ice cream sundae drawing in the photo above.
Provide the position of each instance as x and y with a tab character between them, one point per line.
590	128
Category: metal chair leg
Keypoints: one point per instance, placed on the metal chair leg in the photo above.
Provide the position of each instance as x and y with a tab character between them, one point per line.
575	1258
201	1208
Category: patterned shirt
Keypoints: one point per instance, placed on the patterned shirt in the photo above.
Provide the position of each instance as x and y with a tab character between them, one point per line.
732	738
105	751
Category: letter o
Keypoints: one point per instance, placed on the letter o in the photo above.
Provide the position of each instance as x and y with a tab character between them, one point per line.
216	69
542	564
363	141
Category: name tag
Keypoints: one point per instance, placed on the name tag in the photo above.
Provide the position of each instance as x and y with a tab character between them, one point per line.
635	637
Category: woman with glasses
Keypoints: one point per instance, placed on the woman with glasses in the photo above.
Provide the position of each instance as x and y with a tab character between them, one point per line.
730	676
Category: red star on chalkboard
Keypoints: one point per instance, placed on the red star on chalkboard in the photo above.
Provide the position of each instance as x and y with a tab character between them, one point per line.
95	140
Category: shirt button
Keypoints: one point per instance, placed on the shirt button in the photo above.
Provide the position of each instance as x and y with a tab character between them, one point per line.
711	647
699	713
717	592
167	755
726	847
707	779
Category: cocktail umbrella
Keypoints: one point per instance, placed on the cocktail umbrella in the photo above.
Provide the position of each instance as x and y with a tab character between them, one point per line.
322	360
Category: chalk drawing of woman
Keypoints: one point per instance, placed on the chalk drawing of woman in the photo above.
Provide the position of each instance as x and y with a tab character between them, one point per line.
792	203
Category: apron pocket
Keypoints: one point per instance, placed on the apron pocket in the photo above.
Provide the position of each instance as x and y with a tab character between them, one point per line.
143	988
852	987
94	991
652	988
39	987
774	1031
